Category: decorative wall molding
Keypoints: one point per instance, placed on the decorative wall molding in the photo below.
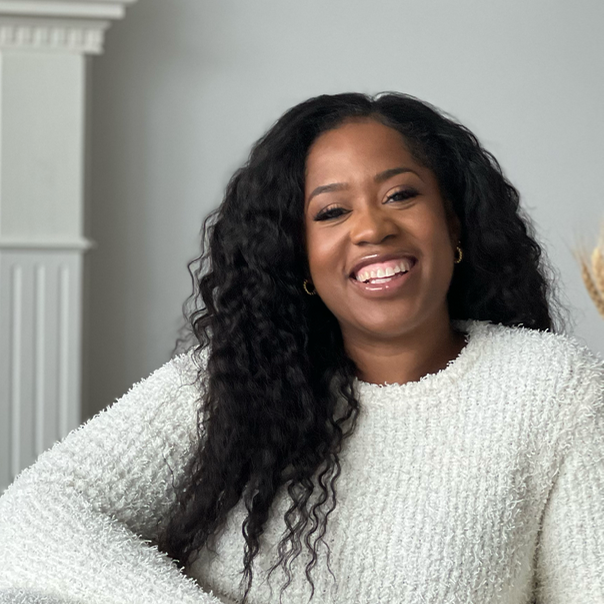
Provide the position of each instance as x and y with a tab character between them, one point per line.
77	243
43	66
84	9
40	340
83	37
69	26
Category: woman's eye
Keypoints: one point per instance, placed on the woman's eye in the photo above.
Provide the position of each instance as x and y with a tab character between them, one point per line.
330	213
402	195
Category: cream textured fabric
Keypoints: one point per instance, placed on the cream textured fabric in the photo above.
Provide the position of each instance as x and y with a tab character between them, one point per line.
481	483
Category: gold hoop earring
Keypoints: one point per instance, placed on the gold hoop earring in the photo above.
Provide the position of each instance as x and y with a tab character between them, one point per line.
305	286
457	260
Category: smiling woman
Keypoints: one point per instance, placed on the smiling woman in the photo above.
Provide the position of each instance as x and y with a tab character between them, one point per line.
370	309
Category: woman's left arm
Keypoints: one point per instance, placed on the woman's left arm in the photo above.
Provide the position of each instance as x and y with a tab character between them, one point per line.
570	555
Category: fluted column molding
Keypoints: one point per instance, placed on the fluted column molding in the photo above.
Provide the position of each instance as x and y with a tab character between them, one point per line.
43	61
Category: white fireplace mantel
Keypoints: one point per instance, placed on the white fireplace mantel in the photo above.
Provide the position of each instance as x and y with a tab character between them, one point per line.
96	9
75	26
43	61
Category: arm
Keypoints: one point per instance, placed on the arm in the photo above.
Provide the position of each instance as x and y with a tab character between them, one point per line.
75	526
570	555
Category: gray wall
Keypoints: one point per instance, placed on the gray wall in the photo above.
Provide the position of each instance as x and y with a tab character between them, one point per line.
186	86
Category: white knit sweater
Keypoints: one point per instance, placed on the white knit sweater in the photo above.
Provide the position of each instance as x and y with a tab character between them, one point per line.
481	483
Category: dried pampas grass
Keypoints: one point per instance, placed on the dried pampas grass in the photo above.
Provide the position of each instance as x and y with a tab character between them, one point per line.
594	277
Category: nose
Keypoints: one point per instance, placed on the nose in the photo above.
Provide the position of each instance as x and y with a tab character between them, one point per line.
371	225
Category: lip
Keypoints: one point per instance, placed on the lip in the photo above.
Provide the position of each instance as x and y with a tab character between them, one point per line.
374	258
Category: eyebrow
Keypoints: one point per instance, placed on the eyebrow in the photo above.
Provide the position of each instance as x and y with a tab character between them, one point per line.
386	174
378	178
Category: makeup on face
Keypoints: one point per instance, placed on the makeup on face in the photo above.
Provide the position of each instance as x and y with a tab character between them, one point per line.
379	245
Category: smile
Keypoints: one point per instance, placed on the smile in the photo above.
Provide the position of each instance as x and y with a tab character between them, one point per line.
382	272
384	277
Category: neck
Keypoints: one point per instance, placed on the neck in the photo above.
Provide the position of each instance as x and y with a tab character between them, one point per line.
406	357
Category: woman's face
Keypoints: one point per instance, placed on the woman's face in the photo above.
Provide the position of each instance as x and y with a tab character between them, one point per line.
379	245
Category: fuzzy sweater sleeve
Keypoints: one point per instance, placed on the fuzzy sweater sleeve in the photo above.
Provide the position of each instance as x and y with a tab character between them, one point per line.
570	554
76	525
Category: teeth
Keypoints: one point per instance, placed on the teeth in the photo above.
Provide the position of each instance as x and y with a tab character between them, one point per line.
402	267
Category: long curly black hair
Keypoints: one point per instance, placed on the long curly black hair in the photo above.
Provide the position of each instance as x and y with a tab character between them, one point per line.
277	397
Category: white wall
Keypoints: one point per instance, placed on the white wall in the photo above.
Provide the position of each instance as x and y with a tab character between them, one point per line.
186	86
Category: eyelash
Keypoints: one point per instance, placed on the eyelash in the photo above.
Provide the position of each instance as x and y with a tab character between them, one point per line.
330	213
406	193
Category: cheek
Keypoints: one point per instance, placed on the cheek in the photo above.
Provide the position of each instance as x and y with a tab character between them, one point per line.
323	256
444	260
436	229
321	264
434	232
312	254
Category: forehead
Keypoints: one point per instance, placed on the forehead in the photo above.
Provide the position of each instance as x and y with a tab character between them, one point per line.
357	145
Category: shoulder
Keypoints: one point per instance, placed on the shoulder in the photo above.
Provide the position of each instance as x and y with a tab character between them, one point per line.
168	397
533	361
160	407
179	370
551	380
542	350
177	378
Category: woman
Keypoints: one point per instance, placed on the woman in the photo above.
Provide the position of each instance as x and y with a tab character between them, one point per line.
376	407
